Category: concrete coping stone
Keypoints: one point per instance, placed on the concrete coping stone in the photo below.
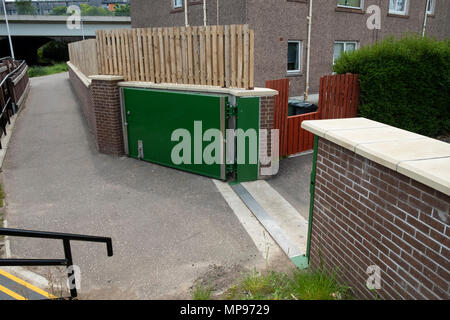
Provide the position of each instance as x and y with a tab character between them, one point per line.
84	79
256	92
105	77
418	157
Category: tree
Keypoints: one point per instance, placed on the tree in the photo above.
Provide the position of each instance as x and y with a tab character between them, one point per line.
87	10
122	10
25	7
59	11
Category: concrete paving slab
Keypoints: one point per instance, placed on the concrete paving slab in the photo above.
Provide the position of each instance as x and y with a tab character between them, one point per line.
167	226
293	225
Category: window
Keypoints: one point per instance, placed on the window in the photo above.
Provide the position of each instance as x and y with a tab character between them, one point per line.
294	56
177	3
358	4
398	6
343	46
431	6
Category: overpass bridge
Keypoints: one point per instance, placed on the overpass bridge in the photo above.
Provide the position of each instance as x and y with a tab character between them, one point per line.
56	26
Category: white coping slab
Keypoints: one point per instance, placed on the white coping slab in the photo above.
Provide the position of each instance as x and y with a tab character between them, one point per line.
419	157
256	92
84	79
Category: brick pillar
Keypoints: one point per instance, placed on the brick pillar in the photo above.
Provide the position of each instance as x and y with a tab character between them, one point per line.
266	122
106	103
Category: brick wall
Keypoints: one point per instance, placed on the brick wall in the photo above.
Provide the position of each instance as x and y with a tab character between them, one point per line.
366	214
266	122
100	103
106	100
83	93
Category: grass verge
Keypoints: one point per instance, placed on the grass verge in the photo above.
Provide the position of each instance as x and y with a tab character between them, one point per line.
38	71
299	285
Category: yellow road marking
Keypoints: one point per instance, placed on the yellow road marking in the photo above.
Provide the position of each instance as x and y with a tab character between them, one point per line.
11	293
27	285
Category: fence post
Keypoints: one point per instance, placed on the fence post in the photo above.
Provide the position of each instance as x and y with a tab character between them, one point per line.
12	94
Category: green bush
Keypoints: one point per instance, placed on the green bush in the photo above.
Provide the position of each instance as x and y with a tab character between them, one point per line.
38	71
404	83
122	10
87	10
59	11
25	7
53	51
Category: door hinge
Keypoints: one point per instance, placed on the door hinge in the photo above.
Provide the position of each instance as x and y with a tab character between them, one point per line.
140	149
231	111
230	168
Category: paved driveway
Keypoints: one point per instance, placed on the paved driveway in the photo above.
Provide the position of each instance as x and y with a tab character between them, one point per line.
167	226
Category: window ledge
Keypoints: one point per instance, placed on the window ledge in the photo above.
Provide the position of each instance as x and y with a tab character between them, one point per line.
294	74
351	10
396	15
190	3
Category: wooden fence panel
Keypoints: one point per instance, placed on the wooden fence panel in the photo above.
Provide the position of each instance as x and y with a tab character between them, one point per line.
84	55
338	98
212	55
281	111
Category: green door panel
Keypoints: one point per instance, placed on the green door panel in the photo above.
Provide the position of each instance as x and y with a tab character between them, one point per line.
152	116
248	118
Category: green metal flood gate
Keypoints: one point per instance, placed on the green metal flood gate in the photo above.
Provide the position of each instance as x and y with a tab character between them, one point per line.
190	131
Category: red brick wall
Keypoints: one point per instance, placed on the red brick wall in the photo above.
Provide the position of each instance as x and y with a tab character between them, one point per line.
84	96
106	99
366	214
266	122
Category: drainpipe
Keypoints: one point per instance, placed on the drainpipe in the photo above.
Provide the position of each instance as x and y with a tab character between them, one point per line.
186	21
425	19
312	190
217	12
205	18
9	33
308	51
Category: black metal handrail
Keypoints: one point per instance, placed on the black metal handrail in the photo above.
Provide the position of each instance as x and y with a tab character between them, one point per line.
66	238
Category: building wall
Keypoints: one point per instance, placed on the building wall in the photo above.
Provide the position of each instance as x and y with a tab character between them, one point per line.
84	96
366	214
277	21
158	13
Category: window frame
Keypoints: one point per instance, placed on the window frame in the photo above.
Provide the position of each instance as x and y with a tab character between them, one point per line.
356	43
361	5
174	5
433	8
300	55
400	13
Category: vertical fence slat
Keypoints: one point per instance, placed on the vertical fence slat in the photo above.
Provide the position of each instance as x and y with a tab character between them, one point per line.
220	57
251	83
146	55
215	64
184	53
227	57
208	56
202	55
246	57
197	66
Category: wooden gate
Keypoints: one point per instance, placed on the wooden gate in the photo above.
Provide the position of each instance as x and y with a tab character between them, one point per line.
338	98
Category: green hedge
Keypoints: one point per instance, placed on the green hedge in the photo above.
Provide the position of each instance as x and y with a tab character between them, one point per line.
53	51
404	83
